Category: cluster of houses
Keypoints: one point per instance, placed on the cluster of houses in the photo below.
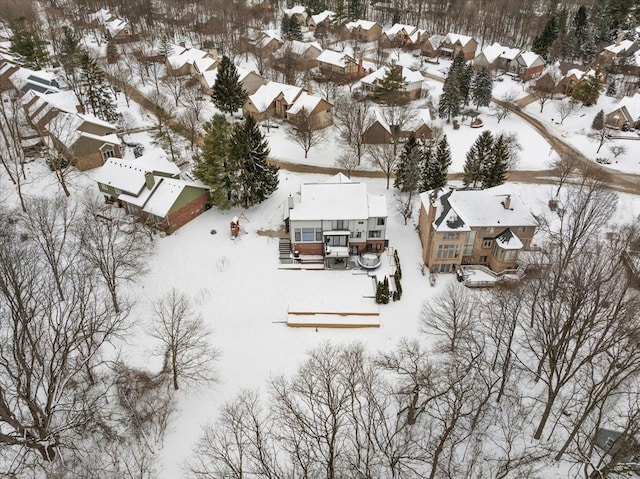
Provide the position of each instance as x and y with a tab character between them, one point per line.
149	187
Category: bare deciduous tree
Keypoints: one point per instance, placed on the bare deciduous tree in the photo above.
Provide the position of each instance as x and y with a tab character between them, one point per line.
505	105
352	120
113	248
185	340
305	131
11	152
565	109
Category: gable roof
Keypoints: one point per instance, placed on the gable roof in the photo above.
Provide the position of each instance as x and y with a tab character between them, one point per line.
363	24
323	16
210	76
129	175
495	51
455	37
408	75
632	104
266	94
529	58
305	101
620	47
181	56
335	58
398	27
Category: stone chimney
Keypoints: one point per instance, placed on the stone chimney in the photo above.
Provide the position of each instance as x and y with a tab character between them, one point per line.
507	202
360	67
149	180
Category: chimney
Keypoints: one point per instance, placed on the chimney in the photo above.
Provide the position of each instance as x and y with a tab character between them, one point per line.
149	180
290	201
360	67
183	44
507	202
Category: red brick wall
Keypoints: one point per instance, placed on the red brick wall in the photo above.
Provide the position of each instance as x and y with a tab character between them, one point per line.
373	244
308	248
185	214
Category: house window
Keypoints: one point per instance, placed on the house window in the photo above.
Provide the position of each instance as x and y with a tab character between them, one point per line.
339	225
522	229
106	154
380	222
375	234
487	242
450	235
102	187
319	234
378	247
356	234
445	268
118	191
447	251
308	234
489	229
609	442
483	259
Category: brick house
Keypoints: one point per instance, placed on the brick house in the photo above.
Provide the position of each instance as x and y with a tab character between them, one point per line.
413	79
382	131
396	36
151	189
495	58
271	99
320	110
527	65
560	78
338	65
336	219
364	30
627	112
474	227
454	43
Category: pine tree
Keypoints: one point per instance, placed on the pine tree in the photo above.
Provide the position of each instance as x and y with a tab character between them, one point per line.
228	93
408	169
587	91
212	164
477	159
435	175
69	51
255	178
28	45
611	89
391	87
97	93
598	121
464	83
495	170
454	89
290	29
481	88
542	43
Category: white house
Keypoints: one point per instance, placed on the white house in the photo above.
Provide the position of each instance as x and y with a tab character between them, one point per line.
336	219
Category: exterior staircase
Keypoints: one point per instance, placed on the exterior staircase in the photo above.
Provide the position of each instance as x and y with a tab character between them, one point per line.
284	250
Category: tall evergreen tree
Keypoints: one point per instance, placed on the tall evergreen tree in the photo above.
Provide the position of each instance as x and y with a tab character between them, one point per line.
69	50
495	170
98	96
598	121
542	43
391	87
478	157
212	164
435	173
454	90
228	93
464	83
428	153
481	88
409	164
290	29
256	179
27	44
587	91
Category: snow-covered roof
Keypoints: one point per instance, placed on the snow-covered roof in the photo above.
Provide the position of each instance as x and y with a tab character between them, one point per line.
181	56
495	51
266	36
619	47
296	10
421	117
63	100
508	240
417	34
164	195
129	175
408	75
97	121
101	16
335	58
322	16
266	94
455	37
398	27
337	199
436	40
460	210
300	48
210	76
202	64
529	58
632	104
115	26
304	101
364	24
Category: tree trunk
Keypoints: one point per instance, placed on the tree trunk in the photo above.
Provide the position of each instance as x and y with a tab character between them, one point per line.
544	418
